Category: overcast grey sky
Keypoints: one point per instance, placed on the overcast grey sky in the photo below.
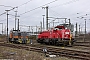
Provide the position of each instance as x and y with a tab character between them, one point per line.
57	8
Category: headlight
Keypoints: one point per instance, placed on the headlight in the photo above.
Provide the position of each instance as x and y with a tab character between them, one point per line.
66	32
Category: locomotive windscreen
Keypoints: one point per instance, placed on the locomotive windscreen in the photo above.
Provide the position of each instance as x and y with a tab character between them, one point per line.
60	27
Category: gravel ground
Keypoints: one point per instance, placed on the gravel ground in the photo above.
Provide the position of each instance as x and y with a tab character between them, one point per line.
7	53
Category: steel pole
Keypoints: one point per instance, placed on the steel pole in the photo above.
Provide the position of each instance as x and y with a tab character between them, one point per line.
43	22
47	18
7	25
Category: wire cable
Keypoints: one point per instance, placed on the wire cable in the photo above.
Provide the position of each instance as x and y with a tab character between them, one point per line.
9	10
6	6
38	7
24	3
14	7
69	2
2	13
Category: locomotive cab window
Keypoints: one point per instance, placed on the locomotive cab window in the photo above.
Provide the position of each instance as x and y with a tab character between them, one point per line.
19	34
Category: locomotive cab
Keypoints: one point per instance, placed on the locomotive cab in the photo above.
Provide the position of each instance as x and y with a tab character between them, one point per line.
18	37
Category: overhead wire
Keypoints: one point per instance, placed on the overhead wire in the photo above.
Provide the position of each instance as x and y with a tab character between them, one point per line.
9	10
35	8
69	2
14	7
44	5
6	6
29	16
38	7
25	3
29	10
66	3
2	13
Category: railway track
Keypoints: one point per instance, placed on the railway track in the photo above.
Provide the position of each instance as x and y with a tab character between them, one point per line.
84	44
56	51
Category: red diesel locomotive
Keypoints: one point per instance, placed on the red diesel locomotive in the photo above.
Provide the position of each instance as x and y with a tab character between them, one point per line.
58	35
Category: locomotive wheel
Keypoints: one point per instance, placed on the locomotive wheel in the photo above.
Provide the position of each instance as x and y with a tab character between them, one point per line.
65	43
38	40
